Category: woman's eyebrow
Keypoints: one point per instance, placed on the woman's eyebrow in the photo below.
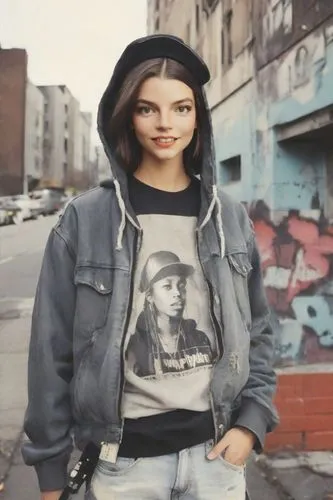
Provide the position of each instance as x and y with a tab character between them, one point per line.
150	103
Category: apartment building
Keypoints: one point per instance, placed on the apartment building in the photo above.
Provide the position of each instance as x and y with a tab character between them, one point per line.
34	135
13	80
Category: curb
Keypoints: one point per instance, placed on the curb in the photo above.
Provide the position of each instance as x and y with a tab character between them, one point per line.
272	479
8	458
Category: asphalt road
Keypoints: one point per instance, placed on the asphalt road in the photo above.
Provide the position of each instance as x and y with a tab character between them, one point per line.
21	251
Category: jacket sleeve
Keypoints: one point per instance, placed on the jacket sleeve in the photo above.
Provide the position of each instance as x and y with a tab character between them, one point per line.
257	411
48	418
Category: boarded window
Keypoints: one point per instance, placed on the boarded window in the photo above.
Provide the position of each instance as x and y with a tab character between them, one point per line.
231	170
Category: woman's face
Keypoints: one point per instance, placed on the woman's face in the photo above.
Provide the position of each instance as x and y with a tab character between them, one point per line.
169	295
164	118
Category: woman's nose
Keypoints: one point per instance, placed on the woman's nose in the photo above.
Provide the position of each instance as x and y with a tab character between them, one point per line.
164	120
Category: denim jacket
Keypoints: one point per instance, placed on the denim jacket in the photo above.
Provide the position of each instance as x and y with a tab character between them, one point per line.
82	309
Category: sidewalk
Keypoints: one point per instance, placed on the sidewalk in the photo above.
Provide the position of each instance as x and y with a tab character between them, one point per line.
302	476
14	339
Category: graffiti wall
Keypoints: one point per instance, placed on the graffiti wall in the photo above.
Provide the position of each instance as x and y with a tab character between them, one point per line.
297	260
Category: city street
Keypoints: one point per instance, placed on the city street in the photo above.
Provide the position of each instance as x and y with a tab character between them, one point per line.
21	250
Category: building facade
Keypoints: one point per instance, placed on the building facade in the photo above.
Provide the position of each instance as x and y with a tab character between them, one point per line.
103	164
271	98
56	136
67	132
13	80
34	135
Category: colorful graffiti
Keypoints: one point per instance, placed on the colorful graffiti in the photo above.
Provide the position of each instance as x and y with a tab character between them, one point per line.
297	260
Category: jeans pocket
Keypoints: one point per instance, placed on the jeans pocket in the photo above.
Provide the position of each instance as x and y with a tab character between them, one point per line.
121	466
236	468
229	465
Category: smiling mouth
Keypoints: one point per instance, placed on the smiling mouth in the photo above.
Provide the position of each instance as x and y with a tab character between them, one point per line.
165	140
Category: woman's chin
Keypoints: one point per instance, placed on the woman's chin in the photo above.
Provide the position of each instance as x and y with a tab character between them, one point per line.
165	154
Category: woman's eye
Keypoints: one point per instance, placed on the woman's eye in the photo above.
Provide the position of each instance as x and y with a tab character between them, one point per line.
184	109
144	110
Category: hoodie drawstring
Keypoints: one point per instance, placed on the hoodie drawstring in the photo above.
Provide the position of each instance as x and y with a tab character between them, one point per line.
216	202
122	208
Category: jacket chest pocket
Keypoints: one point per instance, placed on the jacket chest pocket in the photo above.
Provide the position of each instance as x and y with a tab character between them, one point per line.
241	269
93	296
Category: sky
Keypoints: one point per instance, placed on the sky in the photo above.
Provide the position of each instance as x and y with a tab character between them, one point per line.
72	42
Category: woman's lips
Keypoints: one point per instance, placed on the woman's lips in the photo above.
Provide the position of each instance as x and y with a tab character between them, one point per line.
164	142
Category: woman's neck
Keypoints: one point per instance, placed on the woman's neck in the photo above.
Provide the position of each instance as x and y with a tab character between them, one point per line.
166	176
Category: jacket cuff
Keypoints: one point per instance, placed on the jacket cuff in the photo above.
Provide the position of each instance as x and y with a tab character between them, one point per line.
253	417
52	473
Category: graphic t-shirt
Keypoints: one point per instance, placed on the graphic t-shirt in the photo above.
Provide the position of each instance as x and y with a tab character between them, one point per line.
170	343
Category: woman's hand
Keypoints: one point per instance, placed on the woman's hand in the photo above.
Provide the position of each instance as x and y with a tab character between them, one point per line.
235	446
51	495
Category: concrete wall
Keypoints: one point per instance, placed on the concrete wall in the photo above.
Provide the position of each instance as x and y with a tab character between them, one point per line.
34	132
13	80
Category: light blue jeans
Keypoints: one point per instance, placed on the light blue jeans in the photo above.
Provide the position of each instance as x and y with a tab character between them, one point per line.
187	475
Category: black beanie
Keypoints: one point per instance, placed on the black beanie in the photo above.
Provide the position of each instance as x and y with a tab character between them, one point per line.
166	46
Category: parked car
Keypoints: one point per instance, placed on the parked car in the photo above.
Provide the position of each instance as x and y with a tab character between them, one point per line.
30	208
9	210
50	200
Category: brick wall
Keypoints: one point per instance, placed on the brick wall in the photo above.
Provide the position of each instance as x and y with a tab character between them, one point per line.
305	404
13	78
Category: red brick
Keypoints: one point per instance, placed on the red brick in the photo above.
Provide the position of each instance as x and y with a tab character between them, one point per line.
292	407
320	441
289	391
280	441
294	379
306	423
318	385
313	406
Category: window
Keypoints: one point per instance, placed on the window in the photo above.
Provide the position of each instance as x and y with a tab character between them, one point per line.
197	18
66	145
231	170
66	108
229	41
226	41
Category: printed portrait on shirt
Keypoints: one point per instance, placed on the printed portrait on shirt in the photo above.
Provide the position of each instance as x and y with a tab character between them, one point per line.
165	339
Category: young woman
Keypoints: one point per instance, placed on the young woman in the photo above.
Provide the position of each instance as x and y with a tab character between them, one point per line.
182	432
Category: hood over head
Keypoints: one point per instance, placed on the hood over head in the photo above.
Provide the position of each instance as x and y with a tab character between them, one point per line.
140	50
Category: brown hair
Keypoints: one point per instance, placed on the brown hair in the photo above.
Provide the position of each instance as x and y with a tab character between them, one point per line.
120	132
